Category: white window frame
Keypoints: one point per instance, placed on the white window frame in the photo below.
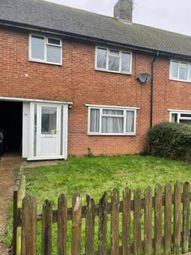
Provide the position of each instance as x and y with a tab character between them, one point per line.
179	113
106	107
179	63
45	49
107	60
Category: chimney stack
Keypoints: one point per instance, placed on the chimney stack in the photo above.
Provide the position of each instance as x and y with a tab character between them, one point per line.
123	10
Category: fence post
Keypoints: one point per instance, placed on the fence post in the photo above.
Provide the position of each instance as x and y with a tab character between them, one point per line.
76	223
177	218
102	229
90	207
158	219
28	245
21	195
15	209
126	221
167	219
62	225
148	221
137	222
18	196
47	228
186	217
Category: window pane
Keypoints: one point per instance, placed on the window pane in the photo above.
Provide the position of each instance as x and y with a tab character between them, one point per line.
48	120
189	71
112	112
130	121
125	66
101	58
37	47
186	115
114	53
53	54
112	125
54	41
183	72
113	64
174	69
94	120
185	122
174	118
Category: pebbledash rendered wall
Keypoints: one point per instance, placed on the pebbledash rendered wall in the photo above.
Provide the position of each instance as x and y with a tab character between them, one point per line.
77	81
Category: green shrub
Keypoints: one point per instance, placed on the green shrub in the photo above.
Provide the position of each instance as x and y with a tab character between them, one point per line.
170	140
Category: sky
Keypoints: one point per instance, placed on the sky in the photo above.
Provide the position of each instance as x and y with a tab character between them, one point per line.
172	15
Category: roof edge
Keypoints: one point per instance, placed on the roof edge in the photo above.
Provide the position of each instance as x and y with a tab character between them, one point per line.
23	26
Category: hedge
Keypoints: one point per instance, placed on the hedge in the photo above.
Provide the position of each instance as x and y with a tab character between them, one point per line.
170	140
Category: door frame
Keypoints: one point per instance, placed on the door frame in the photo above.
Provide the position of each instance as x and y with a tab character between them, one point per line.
64	132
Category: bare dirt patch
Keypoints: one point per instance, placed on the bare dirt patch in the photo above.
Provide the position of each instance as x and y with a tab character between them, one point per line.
8	165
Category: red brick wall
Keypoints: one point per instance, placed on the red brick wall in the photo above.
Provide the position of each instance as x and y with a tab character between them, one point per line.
77	81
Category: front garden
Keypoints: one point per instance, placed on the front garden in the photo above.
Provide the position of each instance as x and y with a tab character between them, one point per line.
94	176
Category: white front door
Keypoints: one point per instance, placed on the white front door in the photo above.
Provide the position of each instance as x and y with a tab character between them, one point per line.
48	130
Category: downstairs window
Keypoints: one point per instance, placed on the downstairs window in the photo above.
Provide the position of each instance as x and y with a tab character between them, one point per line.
111	121
181	117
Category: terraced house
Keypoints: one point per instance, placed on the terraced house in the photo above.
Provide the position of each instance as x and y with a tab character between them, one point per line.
74	82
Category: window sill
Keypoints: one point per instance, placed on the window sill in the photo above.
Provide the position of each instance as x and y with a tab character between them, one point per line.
114	72
94	134
177	80
44	62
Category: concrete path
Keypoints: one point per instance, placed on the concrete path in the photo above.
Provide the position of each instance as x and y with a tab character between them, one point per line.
8	164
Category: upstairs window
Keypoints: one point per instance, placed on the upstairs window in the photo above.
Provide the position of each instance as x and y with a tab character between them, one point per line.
180	71
112	121
45	49
113	60
181	117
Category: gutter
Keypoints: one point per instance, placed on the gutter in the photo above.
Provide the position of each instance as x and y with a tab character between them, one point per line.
152	89
84	38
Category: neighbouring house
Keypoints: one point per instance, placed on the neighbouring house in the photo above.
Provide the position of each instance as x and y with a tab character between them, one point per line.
74	82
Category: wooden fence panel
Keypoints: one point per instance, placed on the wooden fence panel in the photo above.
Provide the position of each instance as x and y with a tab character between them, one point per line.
47	228
158	220
28	245
126	221
90	221
62	225
117	214
186	216
76	223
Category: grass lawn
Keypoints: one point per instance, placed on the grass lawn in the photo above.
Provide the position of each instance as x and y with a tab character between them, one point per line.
94	175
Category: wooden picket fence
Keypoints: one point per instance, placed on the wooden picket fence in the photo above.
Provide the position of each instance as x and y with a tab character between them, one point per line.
151	223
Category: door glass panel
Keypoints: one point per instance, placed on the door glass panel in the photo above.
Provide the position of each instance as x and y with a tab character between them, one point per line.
48	120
